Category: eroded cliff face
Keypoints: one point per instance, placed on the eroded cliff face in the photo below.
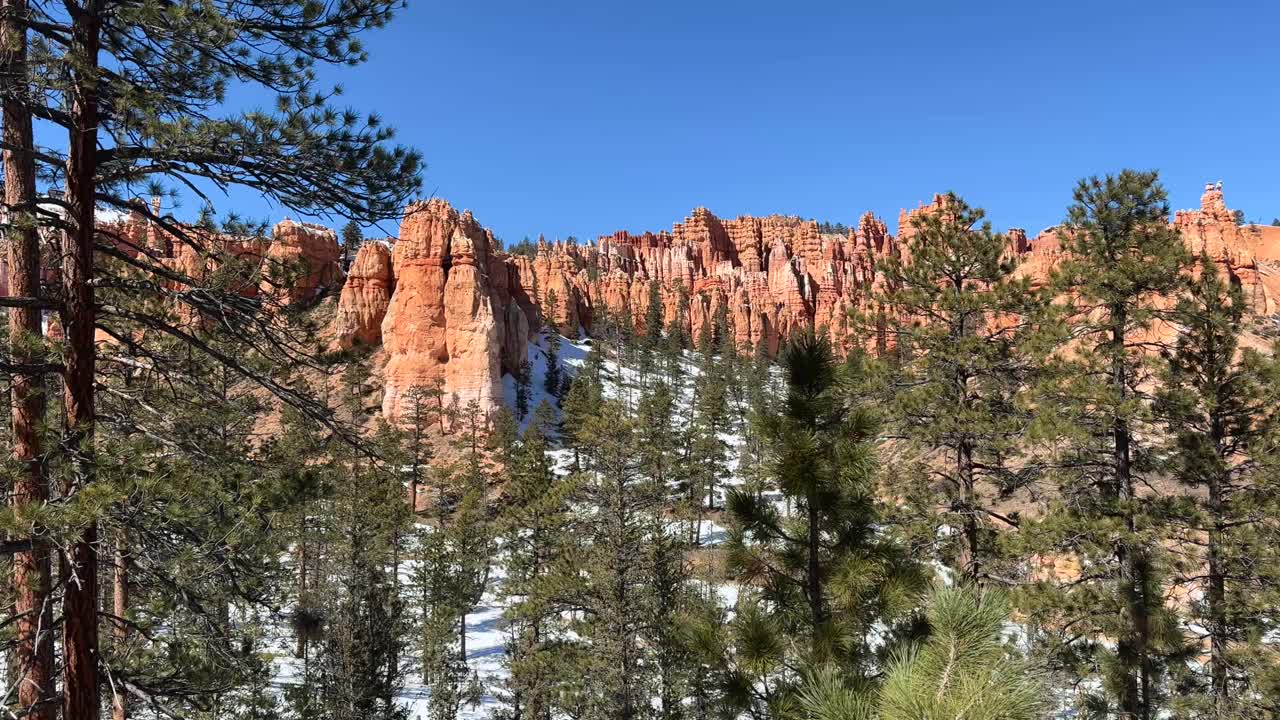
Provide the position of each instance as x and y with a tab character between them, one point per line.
300	259
365	297
1247	254
452	312
295	266
466	312
452	318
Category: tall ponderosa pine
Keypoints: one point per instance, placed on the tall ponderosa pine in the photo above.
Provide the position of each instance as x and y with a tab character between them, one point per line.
367	624
1121	259
959	319
583	401
524	389
535	520
612	587
454	557
33	656
352	238
826	574
706	455
143	501
551	379
138	89
651	341
1221	405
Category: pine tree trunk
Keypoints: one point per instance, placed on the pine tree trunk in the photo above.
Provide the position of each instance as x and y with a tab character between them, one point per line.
393	662
80	562
300	650
31	570
462	638
1132	651
813	579
120	608
970	559
1217	590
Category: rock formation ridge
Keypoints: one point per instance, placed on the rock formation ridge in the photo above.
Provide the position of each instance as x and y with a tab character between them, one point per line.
454	313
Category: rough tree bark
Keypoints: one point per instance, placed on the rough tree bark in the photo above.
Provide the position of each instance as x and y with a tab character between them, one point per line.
120	608
31	569
80	696
1133	652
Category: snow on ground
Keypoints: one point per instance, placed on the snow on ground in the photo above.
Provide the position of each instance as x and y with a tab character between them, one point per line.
486	647
486	637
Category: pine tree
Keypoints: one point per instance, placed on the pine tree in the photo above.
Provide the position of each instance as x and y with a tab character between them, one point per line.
676	340
964	669
1121	258
650	343
366	625
653	316
707	452
417	444
584	401
32	578
535	521
524	389
134	87
658	438
552	379
453	569
1221	405
671	599
960	317
827	577
352	239
613	587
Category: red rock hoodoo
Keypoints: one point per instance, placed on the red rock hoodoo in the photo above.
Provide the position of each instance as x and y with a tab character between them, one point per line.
462	313
450	320
453	311
365	297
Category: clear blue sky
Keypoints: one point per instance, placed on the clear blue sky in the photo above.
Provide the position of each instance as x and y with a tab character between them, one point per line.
580	118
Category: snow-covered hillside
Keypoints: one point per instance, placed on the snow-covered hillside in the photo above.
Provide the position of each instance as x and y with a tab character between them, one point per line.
486	630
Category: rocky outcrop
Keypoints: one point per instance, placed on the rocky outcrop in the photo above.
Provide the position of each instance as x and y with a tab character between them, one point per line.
453	312
301	260
365	297
461	313
455	315
1247	254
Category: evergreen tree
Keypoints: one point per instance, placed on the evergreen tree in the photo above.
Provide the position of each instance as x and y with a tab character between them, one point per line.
1121	258
658	438
650	343
417	446
352	239
960	317
182	483
676	340
33	656
535	522
614	584
524	389
139	92
552	379
671	599
827	575
964	669
585	398
453	569
366	626
653	316
707	452
1221	405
